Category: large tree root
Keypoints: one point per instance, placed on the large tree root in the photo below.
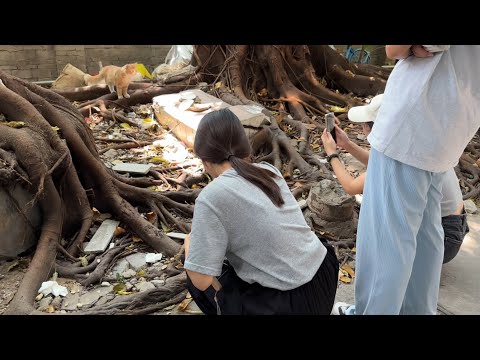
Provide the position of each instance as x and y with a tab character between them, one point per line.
140	303
60	167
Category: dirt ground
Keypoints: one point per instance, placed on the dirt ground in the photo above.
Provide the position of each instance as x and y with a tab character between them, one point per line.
9	281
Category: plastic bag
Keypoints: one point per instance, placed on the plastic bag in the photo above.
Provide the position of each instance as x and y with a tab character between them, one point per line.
179	54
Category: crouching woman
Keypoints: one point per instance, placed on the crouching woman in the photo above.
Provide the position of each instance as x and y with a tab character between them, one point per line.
250	250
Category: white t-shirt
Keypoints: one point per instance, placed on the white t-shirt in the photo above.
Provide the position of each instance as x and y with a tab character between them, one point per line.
430	109
452	194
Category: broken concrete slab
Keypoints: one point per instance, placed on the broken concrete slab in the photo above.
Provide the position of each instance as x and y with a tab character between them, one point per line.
111	154
136	261
144	286
44	303
175	235
121	266
158	283
104	299
128	286
184	122
70	302
132	168
102	237
250	115
127	274
91	297
57	302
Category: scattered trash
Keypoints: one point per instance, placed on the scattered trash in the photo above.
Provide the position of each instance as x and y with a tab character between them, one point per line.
152	258
52	287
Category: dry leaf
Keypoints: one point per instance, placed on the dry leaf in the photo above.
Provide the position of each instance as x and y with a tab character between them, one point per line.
195	186
218	85
163	267
55	128
141	273
136	238
349	270
15	124
50	309
119	231
119	287
298	184
125	126
354	250
342	272
83	260
315	146
165	228
151	217
310	126
122	292
183	305
158	159
301	138
14	264
97	216
263	93
338	109
345	279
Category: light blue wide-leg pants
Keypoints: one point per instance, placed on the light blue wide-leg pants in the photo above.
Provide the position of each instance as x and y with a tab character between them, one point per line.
399	240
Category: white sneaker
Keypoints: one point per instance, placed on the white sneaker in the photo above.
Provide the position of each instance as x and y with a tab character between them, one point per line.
342	308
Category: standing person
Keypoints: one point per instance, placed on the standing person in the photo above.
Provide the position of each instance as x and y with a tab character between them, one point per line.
275	263
454	218
430	111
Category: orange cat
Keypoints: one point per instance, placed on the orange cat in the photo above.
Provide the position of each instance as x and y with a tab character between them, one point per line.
114	75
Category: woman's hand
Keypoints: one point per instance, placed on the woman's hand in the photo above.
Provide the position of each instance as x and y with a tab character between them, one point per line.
342	138
420	51
328	143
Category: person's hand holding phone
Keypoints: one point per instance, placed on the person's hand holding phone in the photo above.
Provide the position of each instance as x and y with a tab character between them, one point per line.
342	138
328	143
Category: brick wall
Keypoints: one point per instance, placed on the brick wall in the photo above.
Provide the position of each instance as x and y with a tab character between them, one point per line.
45	62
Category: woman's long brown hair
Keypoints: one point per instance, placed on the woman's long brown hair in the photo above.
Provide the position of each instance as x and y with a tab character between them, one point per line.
220	137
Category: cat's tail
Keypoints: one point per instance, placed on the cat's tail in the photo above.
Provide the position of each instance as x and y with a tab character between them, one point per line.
92	79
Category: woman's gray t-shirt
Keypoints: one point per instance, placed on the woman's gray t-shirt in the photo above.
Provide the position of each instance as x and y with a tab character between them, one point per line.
272	246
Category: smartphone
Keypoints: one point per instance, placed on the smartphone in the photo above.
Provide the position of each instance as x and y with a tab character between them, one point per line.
330	124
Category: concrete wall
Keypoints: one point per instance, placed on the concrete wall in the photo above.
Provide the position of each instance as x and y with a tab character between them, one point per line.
45	62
